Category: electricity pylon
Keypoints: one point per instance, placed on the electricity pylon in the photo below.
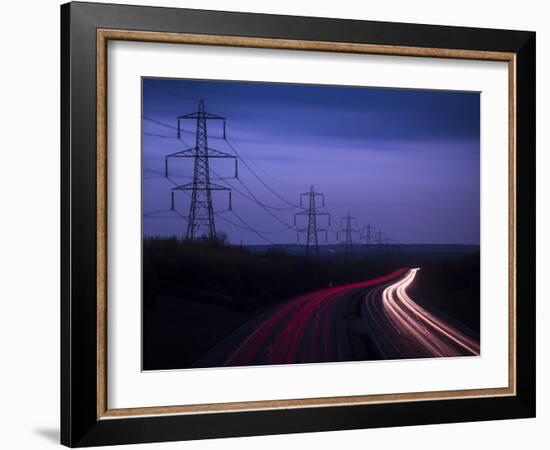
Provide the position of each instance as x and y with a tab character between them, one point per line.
348	230
367	235
312	211
200	223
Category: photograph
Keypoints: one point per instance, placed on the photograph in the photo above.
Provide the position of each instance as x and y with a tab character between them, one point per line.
282	224
305	224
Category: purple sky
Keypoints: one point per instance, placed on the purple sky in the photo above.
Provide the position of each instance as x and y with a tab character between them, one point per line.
405	161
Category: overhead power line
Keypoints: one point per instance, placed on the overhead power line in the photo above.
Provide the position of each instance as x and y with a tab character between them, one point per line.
247	165
159	123
233	147
255	200
163	136
246	227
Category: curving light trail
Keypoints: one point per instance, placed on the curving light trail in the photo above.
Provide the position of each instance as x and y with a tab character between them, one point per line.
371	319
414	323
302	330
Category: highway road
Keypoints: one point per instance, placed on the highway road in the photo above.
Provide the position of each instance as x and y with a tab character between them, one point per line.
369	320
399	327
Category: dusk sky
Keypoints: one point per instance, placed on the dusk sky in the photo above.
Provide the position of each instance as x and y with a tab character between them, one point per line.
405	161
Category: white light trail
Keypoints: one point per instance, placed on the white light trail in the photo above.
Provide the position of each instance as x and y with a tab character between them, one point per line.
437	337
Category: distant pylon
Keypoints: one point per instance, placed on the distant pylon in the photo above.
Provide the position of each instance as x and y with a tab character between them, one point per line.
348	230
367	235
312	211
201	221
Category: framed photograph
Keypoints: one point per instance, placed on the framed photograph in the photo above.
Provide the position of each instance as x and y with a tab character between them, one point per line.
276	224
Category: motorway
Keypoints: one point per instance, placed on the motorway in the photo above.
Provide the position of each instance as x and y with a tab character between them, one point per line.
369	320
399	327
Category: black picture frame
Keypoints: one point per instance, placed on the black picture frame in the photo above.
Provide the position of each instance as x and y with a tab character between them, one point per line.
80	425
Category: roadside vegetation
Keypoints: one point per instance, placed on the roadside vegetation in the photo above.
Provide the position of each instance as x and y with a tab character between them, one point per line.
197	292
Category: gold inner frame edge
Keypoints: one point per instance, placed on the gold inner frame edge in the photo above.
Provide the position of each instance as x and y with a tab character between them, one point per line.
103	36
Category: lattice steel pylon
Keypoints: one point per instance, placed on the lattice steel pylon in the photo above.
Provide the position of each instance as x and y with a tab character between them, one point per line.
367	234
312	229
348	230
201	220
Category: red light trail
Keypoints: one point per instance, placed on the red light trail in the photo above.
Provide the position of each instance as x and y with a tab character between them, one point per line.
315	327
